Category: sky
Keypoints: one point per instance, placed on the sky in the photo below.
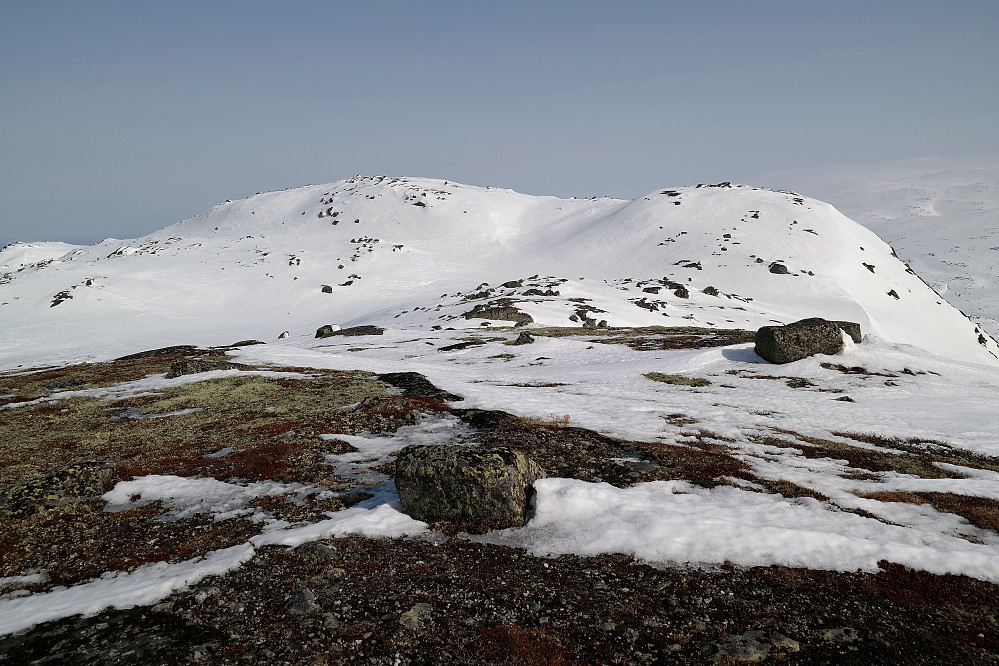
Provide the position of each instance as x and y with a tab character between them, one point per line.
117	119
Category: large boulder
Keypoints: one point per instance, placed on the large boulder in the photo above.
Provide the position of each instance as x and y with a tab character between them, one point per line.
328	331
801	339
477	488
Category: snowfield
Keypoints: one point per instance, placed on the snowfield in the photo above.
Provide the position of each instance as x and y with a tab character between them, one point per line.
414	256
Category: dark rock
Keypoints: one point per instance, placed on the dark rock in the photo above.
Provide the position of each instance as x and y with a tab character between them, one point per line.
710	291
651	290
461	345
801	339
681	292
524	338
66	384
302	602
327	289
284	334
83	481
502	310
177	350
192	366
328	331
852	329
778	269
478	488
513	284
415	385
247	343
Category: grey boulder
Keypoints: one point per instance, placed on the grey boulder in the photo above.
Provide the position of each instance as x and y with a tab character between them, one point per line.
801	339
477	488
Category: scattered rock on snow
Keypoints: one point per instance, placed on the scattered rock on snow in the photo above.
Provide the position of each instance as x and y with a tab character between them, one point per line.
329	331
176	350
478	488
502	310
778	268
801	339
415	385
247	343
524	338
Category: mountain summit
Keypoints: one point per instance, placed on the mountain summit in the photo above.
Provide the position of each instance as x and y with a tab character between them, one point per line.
418	253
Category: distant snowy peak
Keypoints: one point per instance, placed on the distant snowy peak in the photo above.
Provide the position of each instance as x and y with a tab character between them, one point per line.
417	253
16	256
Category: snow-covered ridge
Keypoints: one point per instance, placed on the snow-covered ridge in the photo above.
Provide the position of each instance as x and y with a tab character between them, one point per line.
417	253
940	216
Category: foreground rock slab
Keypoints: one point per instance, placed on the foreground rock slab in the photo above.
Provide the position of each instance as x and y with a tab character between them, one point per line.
801	339
480	489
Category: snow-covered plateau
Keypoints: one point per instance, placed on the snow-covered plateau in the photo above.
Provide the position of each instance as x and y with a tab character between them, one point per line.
837	463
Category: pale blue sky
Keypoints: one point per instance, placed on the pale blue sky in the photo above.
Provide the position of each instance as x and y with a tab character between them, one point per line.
118	118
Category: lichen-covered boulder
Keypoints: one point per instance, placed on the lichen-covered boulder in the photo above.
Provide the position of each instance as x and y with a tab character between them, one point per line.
801	339
477	488
86	480
192	366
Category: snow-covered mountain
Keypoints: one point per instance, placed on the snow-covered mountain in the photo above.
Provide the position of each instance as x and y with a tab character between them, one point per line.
941	216
408	252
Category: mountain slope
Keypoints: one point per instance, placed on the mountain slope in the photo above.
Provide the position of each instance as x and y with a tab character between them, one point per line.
404	252
940	216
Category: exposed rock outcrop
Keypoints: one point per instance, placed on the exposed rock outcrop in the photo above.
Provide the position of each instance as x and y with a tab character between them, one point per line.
502	310
329	331
192	366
